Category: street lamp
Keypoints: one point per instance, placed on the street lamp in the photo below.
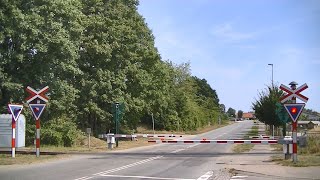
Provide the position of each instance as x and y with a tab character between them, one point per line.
271	74
272	88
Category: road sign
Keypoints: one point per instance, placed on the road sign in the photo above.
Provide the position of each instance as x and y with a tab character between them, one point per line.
15	110
293	93
294	110
37	110
37	94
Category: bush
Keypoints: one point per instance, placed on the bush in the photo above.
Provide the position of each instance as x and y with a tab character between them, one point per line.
313	146
60	132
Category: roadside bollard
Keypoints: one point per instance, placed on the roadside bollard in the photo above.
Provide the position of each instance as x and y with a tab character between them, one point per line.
287	147
110	140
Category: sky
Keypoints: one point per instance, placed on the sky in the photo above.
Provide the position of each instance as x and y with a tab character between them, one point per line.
231	42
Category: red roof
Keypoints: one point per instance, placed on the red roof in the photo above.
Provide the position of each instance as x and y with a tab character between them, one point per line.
247	115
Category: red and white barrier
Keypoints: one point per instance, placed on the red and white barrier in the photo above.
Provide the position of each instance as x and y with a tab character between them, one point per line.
38	138
157	135
263	137
141	135
215	141
13	140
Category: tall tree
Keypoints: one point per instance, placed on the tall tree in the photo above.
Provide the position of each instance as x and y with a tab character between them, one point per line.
231	112
240	114
265	106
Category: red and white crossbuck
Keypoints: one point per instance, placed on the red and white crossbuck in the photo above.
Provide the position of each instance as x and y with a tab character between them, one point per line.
37	94
293	93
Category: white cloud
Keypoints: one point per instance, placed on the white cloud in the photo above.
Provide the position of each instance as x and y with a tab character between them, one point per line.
228	33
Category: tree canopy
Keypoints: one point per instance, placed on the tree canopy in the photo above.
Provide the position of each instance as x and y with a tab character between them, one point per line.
92	53
265	106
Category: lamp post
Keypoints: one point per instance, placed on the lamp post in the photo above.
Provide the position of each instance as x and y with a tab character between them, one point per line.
272	87
271	74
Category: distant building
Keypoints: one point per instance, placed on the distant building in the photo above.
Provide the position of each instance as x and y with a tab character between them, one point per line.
312	117
308	124
248	116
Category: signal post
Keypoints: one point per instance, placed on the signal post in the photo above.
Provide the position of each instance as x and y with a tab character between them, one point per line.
37	103
294	109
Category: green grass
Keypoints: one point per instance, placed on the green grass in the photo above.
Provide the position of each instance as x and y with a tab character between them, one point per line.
6	159
253	132
307	156
303	161
313	146
239	148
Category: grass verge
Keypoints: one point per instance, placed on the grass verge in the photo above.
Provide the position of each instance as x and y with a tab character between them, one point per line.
6	159
307	156
303	161
239	148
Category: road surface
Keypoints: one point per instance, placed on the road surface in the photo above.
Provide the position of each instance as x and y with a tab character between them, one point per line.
160	161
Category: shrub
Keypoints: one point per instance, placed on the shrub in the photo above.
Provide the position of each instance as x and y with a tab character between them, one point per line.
313	145
60	132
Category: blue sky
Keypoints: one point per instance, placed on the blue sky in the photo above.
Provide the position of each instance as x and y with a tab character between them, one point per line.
231	42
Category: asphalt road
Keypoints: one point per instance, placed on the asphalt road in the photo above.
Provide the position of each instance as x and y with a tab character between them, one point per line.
160	161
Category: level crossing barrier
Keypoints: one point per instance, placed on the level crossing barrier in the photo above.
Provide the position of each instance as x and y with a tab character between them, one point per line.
103	136
215	141
263	137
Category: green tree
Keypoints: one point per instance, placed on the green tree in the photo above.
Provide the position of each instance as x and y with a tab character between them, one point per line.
231	112
223	108
240	113
265	106
92	53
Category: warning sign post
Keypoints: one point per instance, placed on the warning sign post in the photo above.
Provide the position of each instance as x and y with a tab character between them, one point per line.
294	109
37	100
15	110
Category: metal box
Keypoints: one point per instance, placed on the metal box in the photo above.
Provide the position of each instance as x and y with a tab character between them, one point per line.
6	131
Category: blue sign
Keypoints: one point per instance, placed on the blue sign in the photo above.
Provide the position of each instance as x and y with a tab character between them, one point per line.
15	110
37	109
294	110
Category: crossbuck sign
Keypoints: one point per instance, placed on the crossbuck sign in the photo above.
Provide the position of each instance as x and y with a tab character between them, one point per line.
293	93
37	94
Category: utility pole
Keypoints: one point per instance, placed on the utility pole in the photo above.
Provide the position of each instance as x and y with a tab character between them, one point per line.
272	88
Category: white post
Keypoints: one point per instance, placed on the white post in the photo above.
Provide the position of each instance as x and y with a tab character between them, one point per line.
152	123
89	141
272	131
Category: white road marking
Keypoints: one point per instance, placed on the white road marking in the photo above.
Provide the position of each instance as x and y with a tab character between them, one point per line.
104	173
127	166
84	178
143	177
238	177
192	146
206	176
178	150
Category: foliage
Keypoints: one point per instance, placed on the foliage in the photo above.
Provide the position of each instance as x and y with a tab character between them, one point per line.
231	112
313	145
92	53
240	113
265	106
60	132
223	108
